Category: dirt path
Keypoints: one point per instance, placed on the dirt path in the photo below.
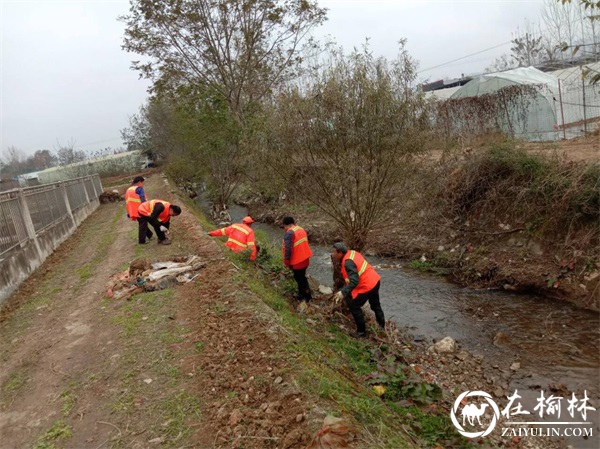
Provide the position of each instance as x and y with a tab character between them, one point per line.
194	366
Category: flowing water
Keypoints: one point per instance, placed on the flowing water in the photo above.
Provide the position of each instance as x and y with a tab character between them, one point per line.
553	341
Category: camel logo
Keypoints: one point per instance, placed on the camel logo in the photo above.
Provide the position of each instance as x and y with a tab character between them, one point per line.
472	413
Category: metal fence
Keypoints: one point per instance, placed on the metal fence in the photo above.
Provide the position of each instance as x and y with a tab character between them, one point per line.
13	230
41	207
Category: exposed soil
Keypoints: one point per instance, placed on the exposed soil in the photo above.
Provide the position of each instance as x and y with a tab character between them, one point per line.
205	364
497	257
194	366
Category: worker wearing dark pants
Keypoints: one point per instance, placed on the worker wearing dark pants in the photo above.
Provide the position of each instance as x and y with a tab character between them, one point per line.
362	285
145	230
158	213
134	197
356	308
296	255
304	293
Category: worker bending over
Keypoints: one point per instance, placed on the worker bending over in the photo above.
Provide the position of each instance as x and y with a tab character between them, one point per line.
158	213
362	285
241	236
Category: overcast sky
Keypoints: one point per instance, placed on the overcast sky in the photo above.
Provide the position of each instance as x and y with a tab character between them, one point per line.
64	77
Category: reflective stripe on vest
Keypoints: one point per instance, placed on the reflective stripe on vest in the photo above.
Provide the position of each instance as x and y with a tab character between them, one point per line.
239	228
367	276
132	202
364	264
300	249
148	207
238	237
237	242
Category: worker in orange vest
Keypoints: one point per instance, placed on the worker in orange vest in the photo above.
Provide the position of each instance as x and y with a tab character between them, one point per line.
362	285
158	213
296	256
134	197
241	236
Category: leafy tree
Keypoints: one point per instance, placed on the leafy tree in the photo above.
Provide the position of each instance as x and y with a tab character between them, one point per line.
43	159
137	136
240	48
345	139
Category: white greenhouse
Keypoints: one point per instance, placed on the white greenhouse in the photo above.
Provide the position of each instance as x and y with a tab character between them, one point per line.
534	119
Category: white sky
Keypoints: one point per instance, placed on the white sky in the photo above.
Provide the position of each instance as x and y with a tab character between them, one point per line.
64	77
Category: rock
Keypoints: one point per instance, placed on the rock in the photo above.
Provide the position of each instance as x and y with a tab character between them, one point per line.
148	381
440	248
515	366
158	440
324	290
591	276
535	248
235	417
500	339
222	412
462	356
498	392
445	346
278	380
299	417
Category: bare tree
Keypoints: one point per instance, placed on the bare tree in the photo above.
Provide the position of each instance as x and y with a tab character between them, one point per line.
241	48
345	139
67	154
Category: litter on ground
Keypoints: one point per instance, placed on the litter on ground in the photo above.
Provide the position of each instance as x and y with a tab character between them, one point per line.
146	276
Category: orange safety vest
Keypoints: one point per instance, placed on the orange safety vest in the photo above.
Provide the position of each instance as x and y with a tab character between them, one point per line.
132	202
241	238
146	209
300	248
367	276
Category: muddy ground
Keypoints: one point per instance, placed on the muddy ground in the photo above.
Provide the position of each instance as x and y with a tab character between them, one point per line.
199	365
223	361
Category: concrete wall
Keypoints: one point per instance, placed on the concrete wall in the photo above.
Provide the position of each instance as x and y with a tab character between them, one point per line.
18	264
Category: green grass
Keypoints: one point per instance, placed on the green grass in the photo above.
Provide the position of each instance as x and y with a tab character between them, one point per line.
85	272
58	431
420	265
14	383
327	362
199	347
68	400
177	411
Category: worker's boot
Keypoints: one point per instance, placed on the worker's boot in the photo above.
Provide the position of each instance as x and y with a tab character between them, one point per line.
165	242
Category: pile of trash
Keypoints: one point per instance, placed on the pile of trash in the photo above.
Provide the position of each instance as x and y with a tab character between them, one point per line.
146	276
110	197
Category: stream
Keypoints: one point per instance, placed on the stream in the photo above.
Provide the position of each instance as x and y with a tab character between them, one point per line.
553	341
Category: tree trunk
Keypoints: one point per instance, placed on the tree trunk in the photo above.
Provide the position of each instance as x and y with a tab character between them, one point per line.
220	213
338	279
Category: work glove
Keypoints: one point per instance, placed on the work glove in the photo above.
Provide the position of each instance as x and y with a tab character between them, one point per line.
164	229
338	297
